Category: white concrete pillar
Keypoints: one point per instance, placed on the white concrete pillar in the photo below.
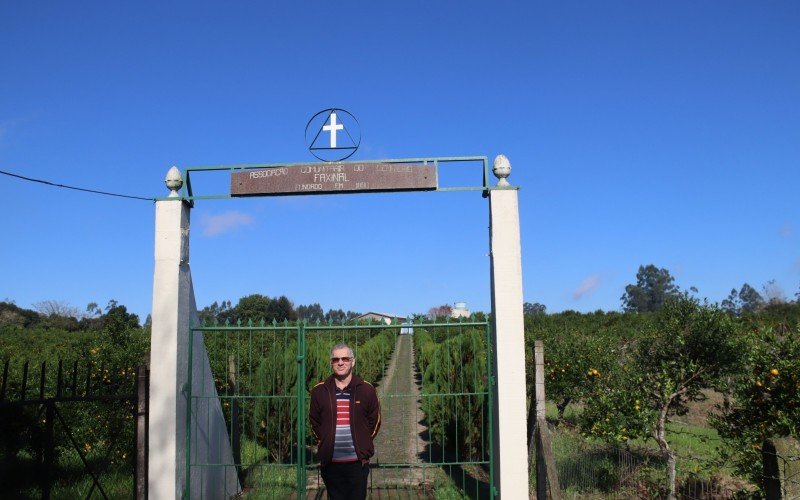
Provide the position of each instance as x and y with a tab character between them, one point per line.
510	422
174	310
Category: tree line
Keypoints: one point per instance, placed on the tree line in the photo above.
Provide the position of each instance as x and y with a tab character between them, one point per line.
654	286
257	307
57	315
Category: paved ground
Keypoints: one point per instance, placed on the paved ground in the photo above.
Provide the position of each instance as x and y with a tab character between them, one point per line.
399	441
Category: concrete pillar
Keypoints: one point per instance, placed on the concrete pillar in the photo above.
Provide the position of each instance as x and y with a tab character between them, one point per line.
174	310
510	422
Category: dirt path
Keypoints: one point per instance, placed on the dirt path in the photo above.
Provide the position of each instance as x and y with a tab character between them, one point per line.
399	441
399	446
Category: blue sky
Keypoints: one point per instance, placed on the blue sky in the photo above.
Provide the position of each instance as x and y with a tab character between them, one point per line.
639	132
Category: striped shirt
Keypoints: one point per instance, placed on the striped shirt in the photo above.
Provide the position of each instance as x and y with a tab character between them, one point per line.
343	448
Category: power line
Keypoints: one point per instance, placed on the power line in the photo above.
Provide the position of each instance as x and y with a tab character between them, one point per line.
40	181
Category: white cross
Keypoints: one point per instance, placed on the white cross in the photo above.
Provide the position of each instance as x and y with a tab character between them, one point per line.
332	128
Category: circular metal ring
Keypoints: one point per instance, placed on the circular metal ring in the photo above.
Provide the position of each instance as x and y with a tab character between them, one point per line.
347	151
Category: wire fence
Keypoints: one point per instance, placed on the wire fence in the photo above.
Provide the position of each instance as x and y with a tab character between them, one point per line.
592	471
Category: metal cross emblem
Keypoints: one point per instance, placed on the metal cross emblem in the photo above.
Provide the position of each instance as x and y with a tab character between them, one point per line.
332	128
344	130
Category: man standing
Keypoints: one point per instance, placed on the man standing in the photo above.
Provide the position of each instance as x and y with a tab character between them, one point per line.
345	416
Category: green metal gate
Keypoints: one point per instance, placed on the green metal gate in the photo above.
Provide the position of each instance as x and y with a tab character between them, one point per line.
434	383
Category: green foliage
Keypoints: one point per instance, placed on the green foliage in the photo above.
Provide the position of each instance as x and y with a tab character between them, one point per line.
618	408
373	355
782	317
766	399
103	430
653	287
276	412
535	308
267	361
690	347
12	315
746	301
96	356
454	372
579	349
118	322
258	307
311	313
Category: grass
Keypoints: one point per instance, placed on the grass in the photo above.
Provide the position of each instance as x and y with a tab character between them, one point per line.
70	478
589	467
269	481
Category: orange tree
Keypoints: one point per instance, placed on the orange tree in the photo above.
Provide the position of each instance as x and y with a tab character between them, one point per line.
578	349
766	400
692	346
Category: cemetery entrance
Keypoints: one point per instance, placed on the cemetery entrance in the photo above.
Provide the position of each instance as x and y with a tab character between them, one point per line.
228	403
434	384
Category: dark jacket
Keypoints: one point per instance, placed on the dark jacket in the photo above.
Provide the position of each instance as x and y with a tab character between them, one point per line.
365	417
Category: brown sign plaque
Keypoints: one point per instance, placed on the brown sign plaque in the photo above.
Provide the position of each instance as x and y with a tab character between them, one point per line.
326	178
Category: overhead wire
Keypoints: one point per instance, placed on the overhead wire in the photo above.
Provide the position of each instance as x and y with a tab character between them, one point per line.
94	191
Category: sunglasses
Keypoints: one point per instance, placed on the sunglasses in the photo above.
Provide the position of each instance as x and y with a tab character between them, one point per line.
344	360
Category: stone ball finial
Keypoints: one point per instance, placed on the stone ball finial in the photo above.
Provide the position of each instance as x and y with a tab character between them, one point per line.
174	181
501	169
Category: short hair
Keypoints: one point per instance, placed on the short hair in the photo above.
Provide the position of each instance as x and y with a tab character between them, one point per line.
342	345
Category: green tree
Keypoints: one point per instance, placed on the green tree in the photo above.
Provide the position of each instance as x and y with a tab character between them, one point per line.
216	312
691	347
255	307
732	304
93	309
117	321
339	315
751	300
766	400
744	301
653	287
572	363
311	312
535	308
281	309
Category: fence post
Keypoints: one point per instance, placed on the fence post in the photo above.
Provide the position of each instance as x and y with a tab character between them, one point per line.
545	461
47	459
301	411
539	411
141	431
787	454
235	431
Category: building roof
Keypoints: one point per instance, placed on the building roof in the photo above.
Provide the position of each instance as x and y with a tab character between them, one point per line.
382	315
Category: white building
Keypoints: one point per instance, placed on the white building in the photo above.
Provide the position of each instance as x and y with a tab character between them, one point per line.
385	318
460	310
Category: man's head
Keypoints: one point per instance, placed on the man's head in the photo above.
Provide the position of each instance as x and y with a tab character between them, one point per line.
342	360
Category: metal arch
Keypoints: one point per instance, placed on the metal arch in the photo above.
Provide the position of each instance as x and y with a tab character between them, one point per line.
187	194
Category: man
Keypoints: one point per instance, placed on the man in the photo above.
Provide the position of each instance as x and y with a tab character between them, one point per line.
345	416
